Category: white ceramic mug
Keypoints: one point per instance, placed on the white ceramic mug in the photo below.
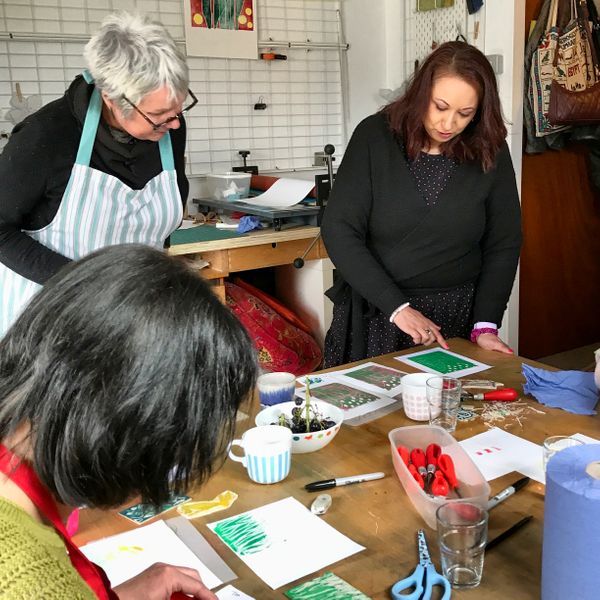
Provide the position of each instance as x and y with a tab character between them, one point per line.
414	396
267	453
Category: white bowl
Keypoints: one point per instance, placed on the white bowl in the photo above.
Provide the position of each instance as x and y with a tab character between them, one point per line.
305	442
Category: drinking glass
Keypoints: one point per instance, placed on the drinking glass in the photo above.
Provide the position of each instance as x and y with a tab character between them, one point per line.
443	399
462	535
556	443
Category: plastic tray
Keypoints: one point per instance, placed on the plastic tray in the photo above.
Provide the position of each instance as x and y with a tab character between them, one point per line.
228	186
472	485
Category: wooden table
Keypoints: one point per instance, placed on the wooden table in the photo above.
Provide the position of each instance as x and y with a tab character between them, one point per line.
378	514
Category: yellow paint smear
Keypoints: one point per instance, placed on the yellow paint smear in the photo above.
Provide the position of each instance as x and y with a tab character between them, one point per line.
132	549
199	508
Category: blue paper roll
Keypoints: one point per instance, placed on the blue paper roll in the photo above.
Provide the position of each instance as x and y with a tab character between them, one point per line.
571	526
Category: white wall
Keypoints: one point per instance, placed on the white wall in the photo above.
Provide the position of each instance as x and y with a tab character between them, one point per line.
504	33
365	30
303	93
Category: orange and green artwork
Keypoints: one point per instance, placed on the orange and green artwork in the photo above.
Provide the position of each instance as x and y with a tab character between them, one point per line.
235	15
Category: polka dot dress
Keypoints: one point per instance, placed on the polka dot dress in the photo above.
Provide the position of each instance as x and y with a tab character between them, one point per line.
450	309
431	172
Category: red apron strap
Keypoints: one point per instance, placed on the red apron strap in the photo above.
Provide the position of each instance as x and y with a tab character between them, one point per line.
23	475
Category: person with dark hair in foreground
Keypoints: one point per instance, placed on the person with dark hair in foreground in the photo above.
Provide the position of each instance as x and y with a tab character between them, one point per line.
121	379
423	223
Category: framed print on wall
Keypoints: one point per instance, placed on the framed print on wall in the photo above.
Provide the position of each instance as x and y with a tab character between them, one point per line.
221	28
423	5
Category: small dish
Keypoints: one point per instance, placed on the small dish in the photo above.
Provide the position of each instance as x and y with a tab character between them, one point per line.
305	442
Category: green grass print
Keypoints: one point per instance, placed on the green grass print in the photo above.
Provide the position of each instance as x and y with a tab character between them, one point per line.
243	534
442	362
326	587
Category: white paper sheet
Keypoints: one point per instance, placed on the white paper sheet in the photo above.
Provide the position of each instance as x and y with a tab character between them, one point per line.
125	555
283	193
496	453
231	593
458	365
283	541
186	224
353	399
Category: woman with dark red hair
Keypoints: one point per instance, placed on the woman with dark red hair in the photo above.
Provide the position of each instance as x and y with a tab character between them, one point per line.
423	224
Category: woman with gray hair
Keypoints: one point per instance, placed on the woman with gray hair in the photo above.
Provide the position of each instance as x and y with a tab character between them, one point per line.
102	165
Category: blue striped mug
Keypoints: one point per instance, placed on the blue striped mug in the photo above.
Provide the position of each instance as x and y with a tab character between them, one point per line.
267	453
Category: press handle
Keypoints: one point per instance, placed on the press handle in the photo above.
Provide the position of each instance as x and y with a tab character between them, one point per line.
502	395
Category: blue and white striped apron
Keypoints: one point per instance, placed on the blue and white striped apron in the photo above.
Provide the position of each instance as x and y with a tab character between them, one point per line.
99	210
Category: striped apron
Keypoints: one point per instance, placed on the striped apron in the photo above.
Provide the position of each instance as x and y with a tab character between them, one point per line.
99	210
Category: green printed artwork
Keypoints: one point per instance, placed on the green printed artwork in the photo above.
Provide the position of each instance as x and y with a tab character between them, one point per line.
139	513
326	587
442	362
343	396
379	376
243	534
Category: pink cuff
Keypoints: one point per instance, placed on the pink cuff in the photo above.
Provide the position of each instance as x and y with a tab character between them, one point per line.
477	332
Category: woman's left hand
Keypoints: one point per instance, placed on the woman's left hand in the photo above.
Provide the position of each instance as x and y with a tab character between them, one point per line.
489	341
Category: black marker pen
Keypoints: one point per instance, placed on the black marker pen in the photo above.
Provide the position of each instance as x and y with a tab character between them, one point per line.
316	486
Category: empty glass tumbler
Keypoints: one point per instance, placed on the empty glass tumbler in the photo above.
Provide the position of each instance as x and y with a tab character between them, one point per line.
443	399
462	535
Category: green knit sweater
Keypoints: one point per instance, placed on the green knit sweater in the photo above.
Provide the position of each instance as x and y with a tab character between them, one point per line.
33	560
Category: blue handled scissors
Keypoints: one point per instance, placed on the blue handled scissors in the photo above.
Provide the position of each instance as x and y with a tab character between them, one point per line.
423	578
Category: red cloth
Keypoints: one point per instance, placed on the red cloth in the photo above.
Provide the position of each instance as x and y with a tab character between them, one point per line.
281	346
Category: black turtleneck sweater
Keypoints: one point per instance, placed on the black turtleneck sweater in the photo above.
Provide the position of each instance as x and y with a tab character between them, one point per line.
36	164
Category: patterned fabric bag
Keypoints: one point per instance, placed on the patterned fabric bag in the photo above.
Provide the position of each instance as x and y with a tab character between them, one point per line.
541	75
575	91
574	66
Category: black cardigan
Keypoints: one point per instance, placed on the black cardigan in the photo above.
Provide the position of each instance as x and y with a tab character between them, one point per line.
387	244
36	164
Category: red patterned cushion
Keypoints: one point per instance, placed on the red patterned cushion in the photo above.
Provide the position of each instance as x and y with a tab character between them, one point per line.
281	346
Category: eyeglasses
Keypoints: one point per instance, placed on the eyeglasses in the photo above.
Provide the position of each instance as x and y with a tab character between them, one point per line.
157	126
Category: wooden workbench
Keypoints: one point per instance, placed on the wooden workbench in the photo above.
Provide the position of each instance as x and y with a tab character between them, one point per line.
378	514
255	250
